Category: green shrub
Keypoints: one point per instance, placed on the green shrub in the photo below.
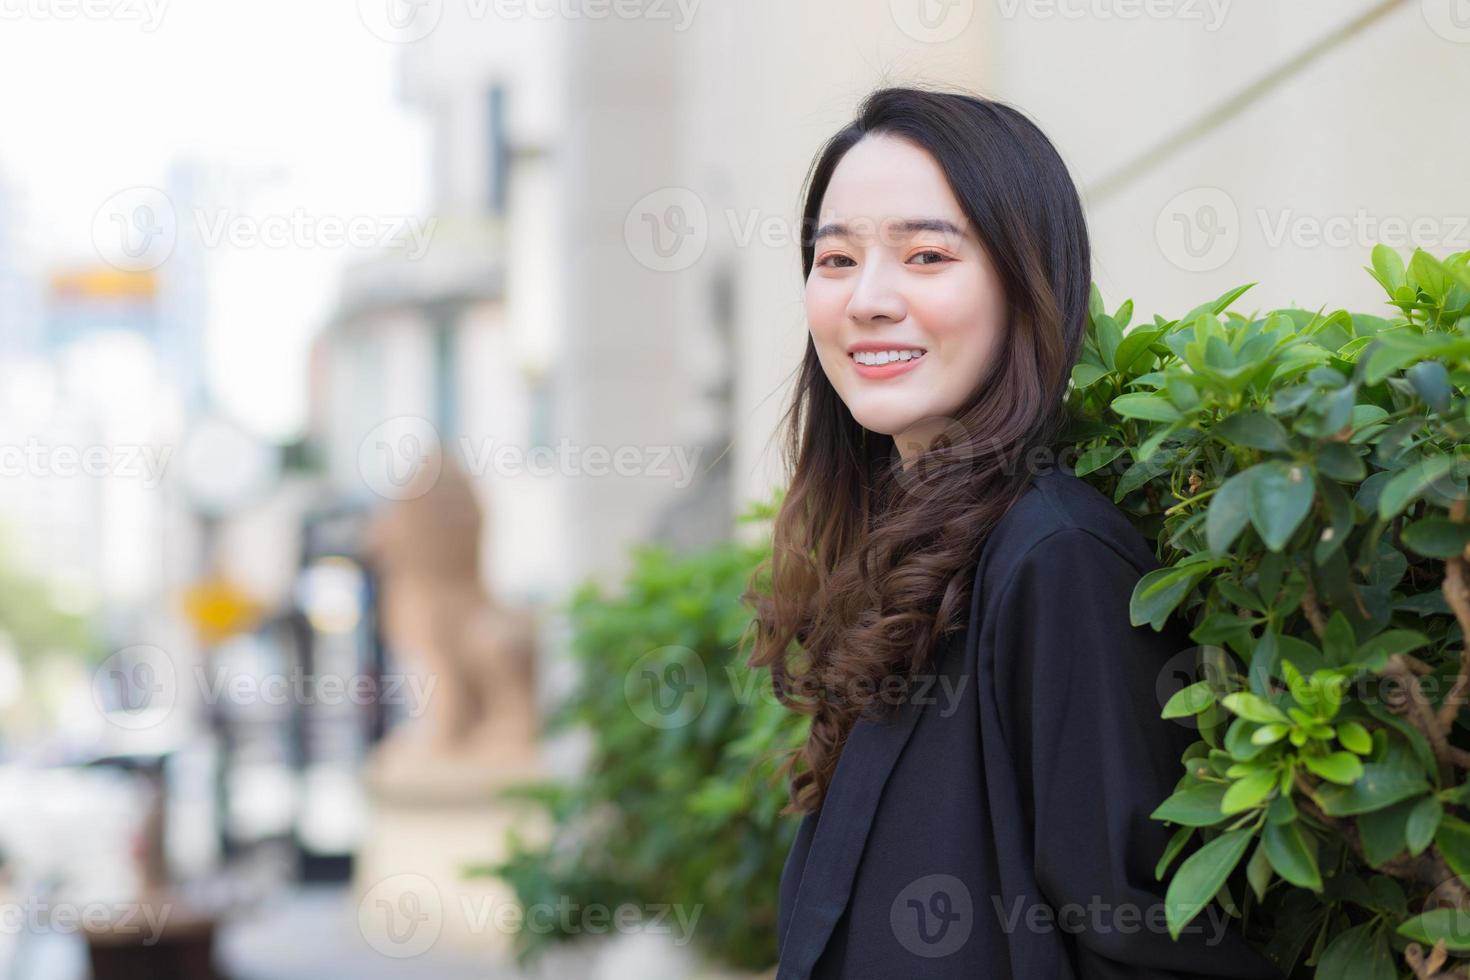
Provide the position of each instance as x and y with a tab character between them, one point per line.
678	806
1304	477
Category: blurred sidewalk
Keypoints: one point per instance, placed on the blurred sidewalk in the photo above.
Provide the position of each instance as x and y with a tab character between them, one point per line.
308	935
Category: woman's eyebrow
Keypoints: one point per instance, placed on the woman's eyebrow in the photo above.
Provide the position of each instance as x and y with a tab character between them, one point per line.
907	226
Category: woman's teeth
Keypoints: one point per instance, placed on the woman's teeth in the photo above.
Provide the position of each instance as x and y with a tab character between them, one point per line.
876	357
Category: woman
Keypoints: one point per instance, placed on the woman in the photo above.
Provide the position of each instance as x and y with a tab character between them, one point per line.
948	601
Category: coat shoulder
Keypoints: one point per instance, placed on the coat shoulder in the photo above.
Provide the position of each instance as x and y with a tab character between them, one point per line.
1058	502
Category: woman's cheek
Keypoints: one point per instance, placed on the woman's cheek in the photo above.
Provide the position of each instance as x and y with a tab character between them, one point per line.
824	311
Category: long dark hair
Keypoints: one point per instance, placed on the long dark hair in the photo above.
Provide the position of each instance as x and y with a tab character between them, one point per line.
872	560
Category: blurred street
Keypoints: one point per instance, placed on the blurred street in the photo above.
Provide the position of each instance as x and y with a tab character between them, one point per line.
304	934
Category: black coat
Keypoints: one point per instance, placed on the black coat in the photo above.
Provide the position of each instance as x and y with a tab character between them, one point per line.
998	825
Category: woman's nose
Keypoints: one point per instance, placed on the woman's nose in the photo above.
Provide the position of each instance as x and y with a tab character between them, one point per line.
875	295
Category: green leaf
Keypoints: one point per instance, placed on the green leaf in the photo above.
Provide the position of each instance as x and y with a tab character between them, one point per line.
1389	266
1406	485
1355	738
1109	336
1256	430
1437	538
1253	708
1384	832
1423	823
1258	872
1380	785
1426	272
1280	497
1157	593
1143	405
1339	643
1432	381
1449	924
1340	461
1361	952
1216	306
1176	844
1134	346
1197	806
1343	768
1096	458
1248	792
1452	837
1085	375
1268	734
1200	877
1189	701
1292	854
1229	511
1376	650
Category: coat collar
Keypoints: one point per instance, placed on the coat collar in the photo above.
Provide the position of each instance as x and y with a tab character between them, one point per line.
872	748
868	757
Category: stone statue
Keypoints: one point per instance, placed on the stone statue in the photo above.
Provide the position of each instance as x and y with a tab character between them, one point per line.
476	655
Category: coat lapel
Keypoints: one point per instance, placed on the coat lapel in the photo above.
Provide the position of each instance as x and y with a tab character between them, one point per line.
872	748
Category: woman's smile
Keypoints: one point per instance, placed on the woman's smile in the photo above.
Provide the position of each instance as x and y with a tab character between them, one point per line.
888	362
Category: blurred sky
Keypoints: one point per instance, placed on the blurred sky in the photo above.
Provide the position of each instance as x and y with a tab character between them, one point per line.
297	94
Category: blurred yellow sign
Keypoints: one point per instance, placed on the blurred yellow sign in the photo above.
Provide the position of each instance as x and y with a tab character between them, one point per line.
219	609
102	282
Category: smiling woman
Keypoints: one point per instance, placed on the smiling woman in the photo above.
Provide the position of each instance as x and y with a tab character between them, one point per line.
923	536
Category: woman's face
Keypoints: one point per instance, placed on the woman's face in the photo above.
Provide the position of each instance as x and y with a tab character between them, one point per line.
897	268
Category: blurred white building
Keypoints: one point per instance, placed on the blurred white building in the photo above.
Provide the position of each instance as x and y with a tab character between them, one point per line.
574	382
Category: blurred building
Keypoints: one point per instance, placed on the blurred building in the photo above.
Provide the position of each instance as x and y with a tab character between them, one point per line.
20	294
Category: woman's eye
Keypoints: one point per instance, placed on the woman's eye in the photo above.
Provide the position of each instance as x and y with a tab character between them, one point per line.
823	259
938	256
